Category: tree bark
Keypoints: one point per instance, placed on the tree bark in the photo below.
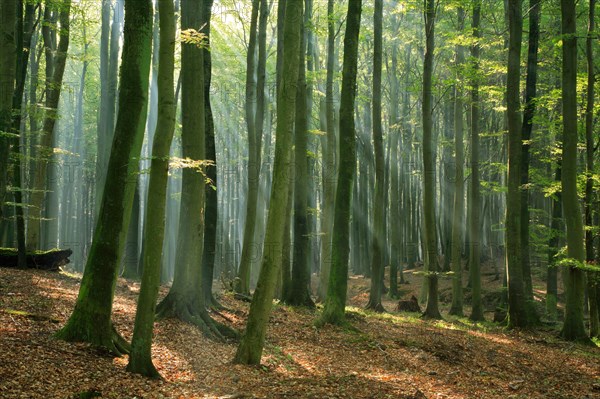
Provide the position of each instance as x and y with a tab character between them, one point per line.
335	302
140	360
251	346
91	318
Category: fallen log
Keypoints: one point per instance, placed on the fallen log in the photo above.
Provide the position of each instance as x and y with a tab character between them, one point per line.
50	260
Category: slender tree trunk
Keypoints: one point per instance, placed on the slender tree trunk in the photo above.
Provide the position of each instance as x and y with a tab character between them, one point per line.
593	277
249	247
556	227
211	208
299	294
517	310
8	63
251	346
573	276
459	189
91	318
377	239
475	196
529	112
335	302
431	259
329	163
140	360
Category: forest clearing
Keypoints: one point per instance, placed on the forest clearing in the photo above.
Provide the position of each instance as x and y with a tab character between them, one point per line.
393	355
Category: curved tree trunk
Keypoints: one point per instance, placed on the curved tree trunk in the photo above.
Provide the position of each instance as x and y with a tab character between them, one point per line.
251	346
140	360
91	318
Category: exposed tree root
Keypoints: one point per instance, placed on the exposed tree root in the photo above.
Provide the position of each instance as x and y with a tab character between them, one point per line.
192	311
111	341
375	307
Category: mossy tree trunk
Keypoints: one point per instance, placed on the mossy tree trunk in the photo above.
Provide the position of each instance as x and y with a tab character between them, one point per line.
337	285
377	239
140	360
573	276
251	346
91	318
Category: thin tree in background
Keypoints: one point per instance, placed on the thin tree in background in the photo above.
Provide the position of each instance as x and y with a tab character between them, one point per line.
329	162
528	116
249	248
251	345
56	62
140	360
335	303
299	290
593	277
573	275
8	63
91	318
430	239
377	261
459	185
475	193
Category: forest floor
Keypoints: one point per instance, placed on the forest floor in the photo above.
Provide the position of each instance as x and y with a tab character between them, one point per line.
389	355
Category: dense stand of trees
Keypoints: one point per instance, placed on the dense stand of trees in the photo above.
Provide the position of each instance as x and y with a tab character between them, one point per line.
261	143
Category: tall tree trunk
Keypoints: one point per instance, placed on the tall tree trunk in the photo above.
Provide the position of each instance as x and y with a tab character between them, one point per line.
517	310
529	112
249	247
475	196
91	318
140	360
573	276
8	63
377	239
593	277
251	346
459	189
185	299
335	302
329	163
299	294
431	256
211	207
